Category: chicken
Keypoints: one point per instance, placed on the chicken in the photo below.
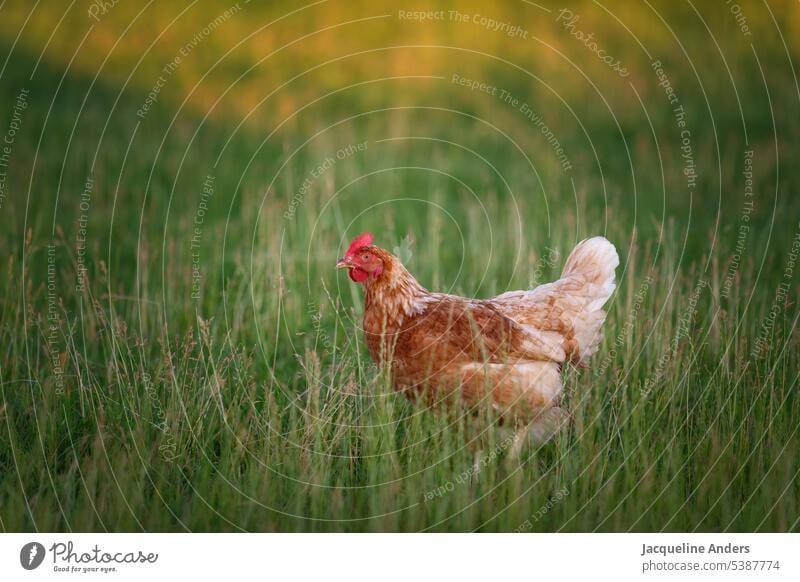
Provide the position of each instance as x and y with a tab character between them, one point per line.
507	351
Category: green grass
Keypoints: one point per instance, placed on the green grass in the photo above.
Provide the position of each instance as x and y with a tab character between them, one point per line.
130	405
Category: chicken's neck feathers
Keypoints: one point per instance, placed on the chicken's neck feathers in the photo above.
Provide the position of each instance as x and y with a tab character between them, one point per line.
393	296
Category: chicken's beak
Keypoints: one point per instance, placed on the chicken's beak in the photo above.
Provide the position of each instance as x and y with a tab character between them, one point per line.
343	264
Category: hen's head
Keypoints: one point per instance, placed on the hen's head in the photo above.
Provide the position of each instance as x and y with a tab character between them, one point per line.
362	260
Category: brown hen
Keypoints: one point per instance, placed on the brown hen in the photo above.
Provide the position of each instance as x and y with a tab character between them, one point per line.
506	351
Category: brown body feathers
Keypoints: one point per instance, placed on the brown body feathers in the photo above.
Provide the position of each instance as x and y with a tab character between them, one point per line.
506	351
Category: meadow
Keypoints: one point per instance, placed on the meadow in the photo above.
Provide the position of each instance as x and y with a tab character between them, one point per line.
178	353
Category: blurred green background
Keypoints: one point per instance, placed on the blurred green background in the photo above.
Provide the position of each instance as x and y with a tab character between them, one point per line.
263	90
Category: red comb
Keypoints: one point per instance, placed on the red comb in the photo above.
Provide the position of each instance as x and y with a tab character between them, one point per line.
362	240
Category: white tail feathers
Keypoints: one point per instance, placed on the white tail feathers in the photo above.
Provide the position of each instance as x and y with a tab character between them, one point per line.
589	277
596	260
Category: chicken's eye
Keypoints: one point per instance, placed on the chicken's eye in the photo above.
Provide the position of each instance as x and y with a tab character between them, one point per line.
365	257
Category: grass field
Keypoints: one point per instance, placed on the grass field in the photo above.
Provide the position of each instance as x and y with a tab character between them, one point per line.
178	352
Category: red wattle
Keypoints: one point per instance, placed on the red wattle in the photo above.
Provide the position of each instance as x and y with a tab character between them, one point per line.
357	275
